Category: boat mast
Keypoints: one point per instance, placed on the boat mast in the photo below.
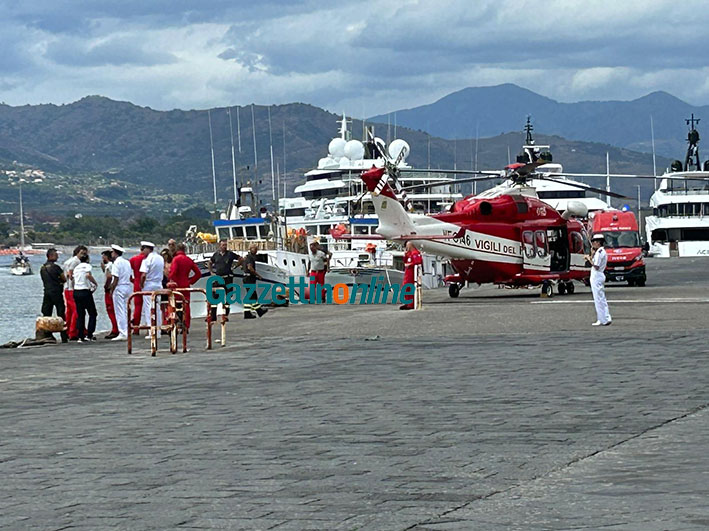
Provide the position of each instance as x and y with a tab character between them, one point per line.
608	179
238	128
270	141
22	221
211	145
253	132
233	160
654	161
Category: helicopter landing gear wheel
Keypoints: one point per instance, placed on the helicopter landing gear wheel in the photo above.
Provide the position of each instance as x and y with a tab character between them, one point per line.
547	289
562	288
570	288
454	290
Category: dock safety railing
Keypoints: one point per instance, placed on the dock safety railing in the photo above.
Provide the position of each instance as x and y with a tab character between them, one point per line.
173	317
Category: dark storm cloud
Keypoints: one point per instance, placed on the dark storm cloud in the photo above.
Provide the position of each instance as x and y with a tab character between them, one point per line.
389	52
114	51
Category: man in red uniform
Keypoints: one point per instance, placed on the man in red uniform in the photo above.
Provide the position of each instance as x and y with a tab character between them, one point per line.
138	308
180	269
412	258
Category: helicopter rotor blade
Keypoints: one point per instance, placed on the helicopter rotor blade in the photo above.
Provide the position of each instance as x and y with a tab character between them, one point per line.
498	173
614	175
584	187
456	181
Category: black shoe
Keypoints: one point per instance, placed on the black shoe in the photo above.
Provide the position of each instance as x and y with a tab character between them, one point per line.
111	336
262	311
249	315
406	307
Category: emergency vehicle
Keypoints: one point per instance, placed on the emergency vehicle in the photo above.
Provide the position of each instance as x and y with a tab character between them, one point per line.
623	247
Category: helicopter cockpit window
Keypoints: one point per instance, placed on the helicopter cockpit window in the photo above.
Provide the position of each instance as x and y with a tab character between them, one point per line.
541	243
576	243
528	239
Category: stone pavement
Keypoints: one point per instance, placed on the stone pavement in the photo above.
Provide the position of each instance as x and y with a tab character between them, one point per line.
480	413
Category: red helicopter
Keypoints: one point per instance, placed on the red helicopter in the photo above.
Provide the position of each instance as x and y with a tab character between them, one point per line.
505	236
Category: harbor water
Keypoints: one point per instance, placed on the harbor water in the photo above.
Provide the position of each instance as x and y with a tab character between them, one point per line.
21	298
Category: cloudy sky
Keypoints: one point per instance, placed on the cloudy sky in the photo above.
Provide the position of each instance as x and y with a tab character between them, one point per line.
364	57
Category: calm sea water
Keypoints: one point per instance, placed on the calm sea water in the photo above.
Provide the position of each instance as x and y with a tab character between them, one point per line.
21	298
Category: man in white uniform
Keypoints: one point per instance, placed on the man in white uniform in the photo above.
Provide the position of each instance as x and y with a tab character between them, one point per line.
151	273
598	279
121	288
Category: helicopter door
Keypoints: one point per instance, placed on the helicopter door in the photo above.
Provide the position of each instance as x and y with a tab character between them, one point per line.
558	243
536	250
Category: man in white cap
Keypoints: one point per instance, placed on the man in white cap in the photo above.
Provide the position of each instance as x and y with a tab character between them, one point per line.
598	261
151	273
121	288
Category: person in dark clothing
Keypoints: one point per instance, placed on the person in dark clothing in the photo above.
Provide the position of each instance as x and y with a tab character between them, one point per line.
222	263
53	280
84	286
251	303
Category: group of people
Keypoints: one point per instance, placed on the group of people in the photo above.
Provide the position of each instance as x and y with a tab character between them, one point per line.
69	288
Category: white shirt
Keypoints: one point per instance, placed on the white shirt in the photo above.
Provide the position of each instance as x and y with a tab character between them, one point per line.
81	276
121	268
600	259
153	266
69	265
317	260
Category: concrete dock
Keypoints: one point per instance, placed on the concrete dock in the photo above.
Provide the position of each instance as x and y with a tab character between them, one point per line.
496	410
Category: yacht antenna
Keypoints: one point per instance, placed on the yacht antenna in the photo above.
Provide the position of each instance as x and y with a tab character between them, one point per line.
429	151
455	154
692	158
477	136
344	133
528	128
233	160
211	145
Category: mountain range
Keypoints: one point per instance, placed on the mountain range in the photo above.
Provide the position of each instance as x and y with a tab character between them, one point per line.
502	108
169	151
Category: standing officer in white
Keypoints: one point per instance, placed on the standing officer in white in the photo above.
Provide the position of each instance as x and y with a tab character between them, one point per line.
598	260
121	288
151	273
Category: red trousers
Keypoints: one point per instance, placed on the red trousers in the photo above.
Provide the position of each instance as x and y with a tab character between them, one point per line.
186	318
137	306
317	277
409	279
71	330
108	299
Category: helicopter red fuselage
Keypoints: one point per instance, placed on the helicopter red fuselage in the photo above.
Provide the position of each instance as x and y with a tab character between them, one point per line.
511	238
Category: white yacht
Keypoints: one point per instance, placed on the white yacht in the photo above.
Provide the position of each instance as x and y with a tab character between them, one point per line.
334	194
679	225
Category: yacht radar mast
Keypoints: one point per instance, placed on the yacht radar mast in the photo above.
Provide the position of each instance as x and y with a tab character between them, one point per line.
532	152
344	133
692	158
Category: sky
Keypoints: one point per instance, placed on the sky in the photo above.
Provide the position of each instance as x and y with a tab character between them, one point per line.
363	57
